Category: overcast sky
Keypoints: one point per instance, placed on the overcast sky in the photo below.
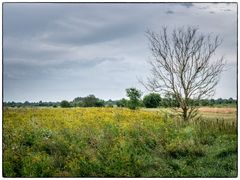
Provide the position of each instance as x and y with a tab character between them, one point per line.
56	51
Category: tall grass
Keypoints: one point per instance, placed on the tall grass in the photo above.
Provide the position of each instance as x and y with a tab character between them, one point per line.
109	142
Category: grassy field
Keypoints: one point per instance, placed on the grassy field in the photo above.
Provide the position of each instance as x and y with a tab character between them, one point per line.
226	114
115	142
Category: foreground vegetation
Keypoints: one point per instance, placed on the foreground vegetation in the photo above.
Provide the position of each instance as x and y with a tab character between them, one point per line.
115	142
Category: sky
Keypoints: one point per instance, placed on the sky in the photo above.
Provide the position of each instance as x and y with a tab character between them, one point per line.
57	51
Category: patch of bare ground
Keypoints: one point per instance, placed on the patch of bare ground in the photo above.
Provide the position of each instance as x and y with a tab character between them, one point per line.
222	110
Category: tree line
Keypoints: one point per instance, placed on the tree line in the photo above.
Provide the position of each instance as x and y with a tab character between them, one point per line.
134	101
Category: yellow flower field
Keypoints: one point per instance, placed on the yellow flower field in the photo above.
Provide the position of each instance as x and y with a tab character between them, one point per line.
109	142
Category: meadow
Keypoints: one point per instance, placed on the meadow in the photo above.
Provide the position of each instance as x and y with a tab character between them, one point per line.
118	142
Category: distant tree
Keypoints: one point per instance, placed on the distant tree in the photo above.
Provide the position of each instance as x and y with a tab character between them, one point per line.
90	101
26	103
100	103
152	100
219	101
122	102
11	104
169	101
78	102
204	102
211	102
77	99
109	103
230	101
141	104
64	104
134	96
40	103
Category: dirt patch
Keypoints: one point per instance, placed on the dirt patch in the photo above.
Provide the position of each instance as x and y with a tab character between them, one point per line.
224	110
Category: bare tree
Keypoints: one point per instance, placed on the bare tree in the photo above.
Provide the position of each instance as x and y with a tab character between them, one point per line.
184	66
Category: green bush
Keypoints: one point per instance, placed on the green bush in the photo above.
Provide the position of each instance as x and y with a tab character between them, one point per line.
64	104
152	100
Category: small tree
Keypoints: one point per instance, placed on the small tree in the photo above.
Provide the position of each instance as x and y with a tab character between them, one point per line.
134	96
90	101
122	103
64	104
152	100
183	66
100	103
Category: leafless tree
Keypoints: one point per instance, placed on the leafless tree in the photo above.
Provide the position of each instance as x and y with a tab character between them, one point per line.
184	66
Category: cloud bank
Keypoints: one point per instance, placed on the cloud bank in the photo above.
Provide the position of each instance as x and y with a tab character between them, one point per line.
55	51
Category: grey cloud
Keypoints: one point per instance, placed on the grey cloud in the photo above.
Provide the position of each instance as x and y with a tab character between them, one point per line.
187	5
73	50
28	22
28	18
205	7
27	49
169	12
25	70
227	10
34	20
100	35
76	64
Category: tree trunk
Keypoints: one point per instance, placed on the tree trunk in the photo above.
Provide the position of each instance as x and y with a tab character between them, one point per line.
185	113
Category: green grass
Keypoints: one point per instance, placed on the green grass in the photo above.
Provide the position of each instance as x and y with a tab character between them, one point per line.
113	142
